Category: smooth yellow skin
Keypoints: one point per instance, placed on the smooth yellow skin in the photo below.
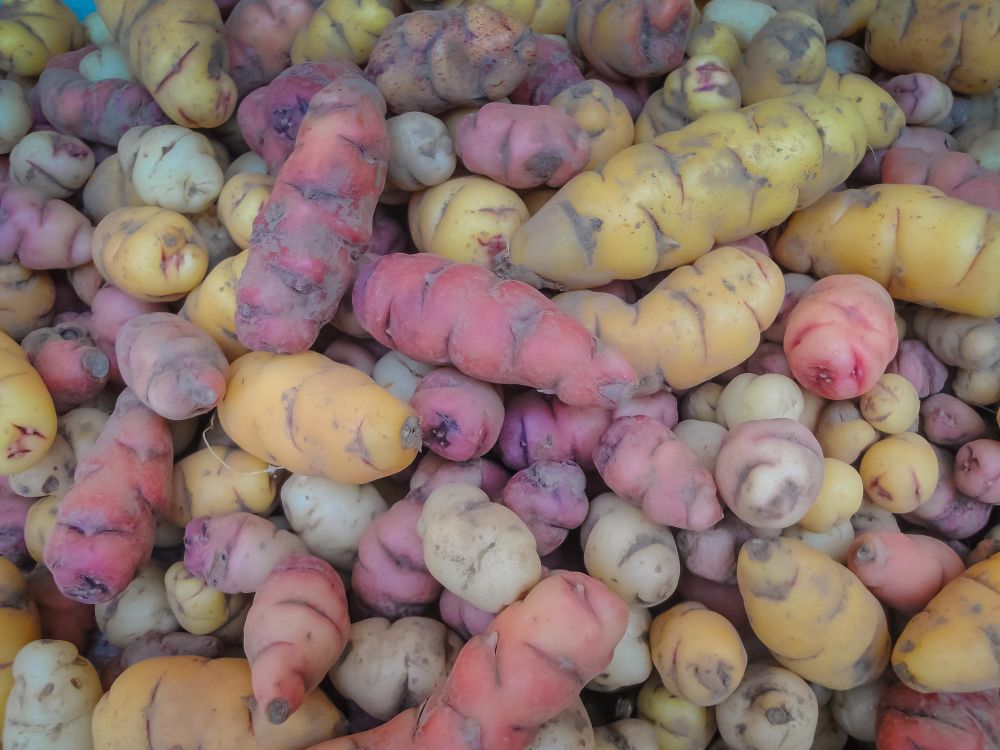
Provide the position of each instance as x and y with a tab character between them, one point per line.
28	424
18	624
240	202
894	235
198	607
698	322
187	701
698	653
29	297
218	480
883	116
749	397
465	219
787	56
314	416
712	38
32	32
950	646
892	405
605	119
343	30
839	498
954	42
38	525
657	206
156	35
212	305
679	724
152	253
900	472
813	614
843	433
977	387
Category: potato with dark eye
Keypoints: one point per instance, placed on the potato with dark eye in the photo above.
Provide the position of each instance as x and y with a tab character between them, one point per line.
772	709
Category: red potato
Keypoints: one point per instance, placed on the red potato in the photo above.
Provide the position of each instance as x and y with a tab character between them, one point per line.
542	428
464	618
712	553
72	367
952	172
174	367
950	421
270	117
529	665
554	69
434	471
905	571
841	336
661	406
908	720
977	470
522	146
96	111
529	342
110	310
642	462
796	284
295	631
13	516
106	522
948	512
923	98
318	217
41	232
460	416
550	497
62	619
918	364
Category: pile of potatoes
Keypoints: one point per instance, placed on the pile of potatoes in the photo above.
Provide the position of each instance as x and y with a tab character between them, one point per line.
500	374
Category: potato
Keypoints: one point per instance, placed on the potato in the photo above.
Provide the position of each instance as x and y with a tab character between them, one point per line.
701	402
977	387
246	162
215	481
835	542
28	429
388	667
15	116
240	201
900	472
216	237
786	56
570	728
108	188
635	558
892	405
631	663
52	475
141	608
151	253
19	624
56	164
212	305
845	57
744	18
704	438
871	517
855	710
749	397
330	516
477	549
626	734
343	29
54	695
399	374
843	433
772	709
108	61
422	153
839	497
29	297
32	32
39	523
466	219
604	117
679	724
199	608
176	168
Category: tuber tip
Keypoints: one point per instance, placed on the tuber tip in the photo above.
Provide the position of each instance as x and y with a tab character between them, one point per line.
865	552
278	711
96	363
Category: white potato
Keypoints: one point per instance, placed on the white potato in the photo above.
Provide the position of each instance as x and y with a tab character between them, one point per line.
143	607
56	164
422	153
176	168
631	663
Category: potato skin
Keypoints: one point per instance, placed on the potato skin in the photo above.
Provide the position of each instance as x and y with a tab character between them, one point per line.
772	709
29	425
32	32
19	624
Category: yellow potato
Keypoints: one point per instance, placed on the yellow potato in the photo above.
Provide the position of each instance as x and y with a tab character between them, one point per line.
900	472
28	427
240	202
32	32
749	397
38	525
28	299
977	387
212	305
218	480
314	416
605	119
343	30
891	405
18	624
543	16
843	433
883	117
152	253
679	724
702	402
787	56
716	39
15	114
839	498
199	608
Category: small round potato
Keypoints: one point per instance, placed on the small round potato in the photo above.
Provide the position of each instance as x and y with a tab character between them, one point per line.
843	433
631	663
900	472
143	607
56	164
603	117
422	152
198	607
15	115
704	438
892	405
39	524
28	296
399	374
855	710
839	498
679	723
749	397
240	201
977	387
109	188
215	481
52	475
176	168
772	709
702	402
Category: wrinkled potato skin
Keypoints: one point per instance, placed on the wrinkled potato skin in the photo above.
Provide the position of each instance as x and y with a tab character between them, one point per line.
900	472
239	203
745	719
199	608
218	480
32	32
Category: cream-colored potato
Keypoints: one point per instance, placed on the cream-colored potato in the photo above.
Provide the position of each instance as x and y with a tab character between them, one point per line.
603	117
985	149
109	188
422	153
742	17
199	608
149	252
679	724
81	427
399	374
855	710
54	695
176	168
467	219
839	497
748	397
108	61
846	57
900	472
248	162
52	475
772	709
870	517
391	666
329	516
977	387
239	203
38	525
843	433
829	736
631	663
29	297
813	407
835	541
634	557
479	550
626	734
567	729
891	405
216	481
15	115
704	438
128	146
701	402
56	164
141	608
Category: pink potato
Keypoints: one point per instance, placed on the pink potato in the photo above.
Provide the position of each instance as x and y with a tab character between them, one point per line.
904	571
62	619
106	522
952	172
295	631
460	416
96	111
506	332
465	619
67	358
908	720
522	146
923	98
642	462
661	406
948	512
388	234
111	309
977	470
796	284
950	421
317	220
40	232
769	358
554	70
712	553
527	667
550	497
13	514
433	471
869	171
173	366
769	472
542	428
918	364
350	352
841	336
